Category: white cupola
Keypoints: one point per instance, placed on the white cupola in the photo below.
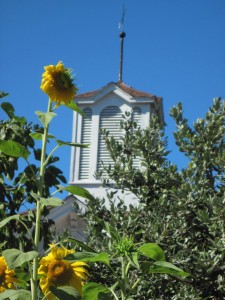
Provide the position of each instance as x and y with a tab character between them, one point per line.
103	108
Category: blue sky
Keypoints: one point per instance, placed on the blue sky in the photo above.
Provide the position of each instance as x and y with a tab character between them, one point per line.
173	48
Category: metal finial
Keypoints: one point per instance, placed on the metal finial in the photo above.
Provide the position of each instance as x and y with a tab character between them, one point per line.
122	36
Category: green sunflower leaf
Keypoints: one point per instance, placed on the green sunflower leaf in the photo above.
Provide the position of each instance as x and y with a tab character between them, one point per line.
14	149
15	295
80	244
53	201
163	267
15	258
65	293
6	220
61	143
72	105
153	251
38	136
95	291
78	191
88	256
45	118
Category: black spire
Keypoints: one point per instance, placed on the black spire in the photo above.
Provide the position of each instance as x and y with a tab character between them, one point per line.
122	36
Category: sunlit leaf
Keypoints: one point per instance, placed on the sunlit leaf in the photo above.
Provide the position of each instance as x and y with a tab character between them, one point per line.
38	136
163	267
72	105
45	118
15	295
65	293
51	201
14	149
16	258
89	256
91	290
78	191
153	251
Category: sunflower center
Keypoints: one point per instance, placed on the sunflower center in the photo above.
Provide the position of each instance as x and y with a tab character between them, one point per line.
59	272
63	80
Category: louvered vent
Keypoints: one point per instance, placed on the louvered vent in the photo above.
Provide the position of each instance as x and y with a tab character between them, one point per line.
85	139
136	117
110	118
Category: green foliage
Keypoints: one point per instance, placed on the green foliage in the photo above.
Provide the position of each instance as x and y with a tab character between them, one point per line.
16	258
17	182
15	295
181	211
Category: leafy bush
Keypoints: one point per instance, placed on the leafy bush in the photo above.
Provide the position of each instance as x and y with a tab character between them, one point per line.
182	211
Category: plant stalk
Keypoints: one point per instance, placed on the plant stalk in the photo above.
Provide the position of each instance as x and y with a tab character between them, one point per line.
123	283
34	279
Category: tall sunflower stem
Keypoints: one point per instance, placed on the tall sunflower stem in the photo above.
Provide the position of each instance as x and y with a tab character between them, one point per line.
123	285
34	279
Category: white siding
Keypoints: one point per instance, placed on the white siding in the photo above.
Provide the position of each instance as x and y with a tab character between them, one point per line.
84	168
136	117
110	118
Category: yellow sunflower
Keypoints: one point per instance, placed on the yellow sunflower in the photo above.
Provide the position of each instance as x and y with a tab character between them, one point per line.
7	276
57	83
55	271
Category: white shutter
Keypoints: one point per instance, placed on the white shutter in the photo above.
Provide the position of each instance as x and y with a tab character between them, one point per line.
84	171
110	118
136	117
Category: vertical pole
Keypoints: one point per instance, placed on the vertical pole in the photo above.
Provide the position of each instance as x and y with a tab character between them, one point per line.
122	36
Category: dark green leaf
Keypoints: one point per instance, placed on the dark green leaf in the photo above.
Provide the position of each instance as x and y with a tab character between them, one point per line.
65	293
6	220
3	94
8	108
14	149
